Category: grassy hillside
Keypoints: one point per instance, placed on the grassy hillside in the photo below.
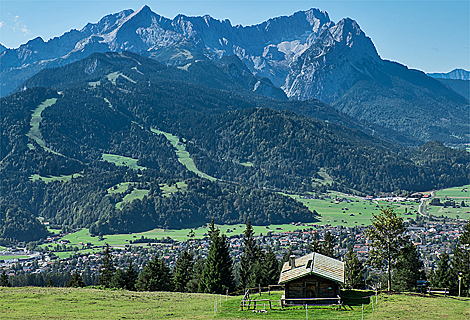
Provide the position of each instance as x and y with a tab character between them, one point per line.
87	303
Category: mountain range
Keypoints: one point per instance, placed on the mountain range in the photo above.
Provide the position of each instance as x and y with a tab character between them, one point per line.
138	122
306	54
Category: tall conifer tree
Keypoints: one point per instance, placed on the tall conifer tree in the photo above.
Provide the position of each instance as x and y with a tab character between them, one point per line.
248	258
353	270
461	261
155	276
131	276
183	271
271	267
217	275
443	276
107	269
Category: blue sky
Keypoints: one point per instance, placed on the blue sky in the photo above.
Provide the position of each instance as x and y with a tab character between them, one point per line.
432	36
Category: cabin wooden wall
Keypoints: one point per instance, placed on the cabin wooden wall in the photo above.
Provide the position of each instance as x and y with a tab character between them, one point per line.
311	286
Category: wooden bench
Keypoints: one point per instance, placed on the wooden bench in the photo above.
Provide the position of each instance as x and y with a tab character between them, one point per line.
444	291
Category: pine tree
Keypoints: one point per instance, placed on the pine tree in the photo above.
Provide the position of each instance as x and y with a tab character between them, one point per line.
257	275
271	267
248	258
387	236
315	246
107	269
4	282
443	276
76	281
217	275
353	270
183	271
408	269
131	276
193	284
154	277
118	280
328	246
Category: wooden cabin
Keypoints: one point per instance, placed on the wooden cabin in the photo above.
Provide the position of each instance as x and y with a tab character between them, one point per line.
312	279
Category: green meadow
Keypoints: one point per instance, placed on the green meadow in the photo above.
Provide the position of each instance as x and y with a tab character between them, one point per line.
168	190
115	75
91	303
13	257
455	193
34	131
122	161
135	194
183	155
356	212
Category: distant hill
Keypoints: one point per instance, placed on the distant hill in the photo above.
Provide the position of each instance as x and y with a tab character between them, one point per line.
462	87
456	74
229	73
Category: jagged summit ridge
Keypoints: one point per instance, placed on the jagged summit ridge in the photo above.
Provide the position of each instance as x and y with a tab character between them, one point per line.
267	48
338	57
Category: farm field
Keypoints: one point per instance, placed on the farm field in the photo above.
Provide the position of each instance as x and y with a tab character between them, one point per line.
120	240
454	213
36	118
456	192
12	257
90	303
356	212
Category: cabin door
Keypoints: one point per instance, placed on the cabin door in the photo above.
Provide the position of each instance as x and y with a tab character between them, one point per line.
311	290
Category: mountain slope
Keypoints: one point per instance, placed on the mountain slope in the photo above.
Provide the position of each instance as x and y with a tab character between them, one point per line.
229	73
462	87
343	68
269	148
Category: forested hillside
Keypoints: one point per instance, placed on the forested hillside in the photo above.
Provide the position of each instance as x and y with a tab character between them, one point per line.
89	154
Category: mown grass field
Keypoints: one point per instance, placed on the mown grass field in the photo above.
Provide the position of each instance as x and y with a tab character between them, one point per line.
355	213
89	303
455	193
122	239
458	194
13	257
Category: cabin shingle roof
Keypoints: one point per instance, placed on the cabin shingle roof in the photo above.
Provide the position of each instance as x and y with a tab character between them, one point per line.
320	265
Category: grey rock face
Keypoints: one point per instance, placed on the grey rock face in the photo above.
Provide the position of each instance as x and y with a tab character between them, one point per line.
456	74
339	57
267	49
